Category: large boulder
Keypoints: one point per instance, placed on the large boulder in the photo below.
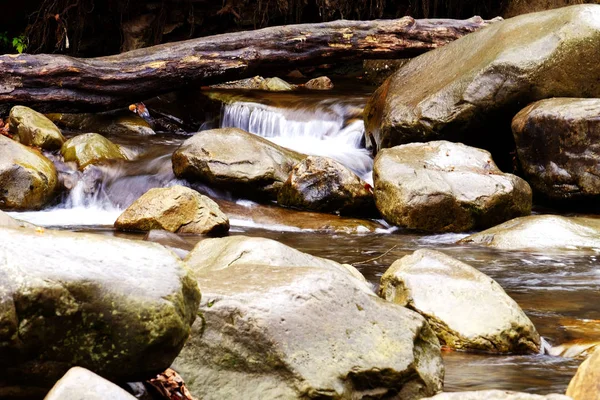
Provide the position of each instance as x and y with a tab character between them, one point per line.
28	179
557	147
324	185
218	254
496	395
470	89
91	148
540	232
585	385
82	384
33	129
271	332
446	187
175	209
467	309
235	160
120	308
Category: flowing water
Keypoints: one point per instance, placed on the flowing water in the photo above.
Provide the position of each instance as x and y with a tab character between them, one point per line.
558	289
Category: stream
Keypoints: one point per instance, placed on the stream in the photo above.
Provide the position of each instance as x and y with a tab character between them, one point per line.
558	290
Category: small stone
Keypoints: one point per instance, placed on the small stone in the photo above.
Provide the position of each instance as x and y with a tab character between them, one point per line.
320	83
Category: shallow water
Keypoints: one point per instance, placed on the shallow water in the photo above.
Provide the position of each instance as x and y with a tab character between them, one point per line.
557	289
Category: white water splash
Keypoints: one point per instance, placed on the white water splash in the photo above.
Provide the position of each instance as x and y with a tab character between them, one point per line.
322	131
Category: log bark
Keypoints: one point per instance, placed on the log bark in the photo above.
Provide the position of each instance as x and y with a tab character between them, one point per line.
62	82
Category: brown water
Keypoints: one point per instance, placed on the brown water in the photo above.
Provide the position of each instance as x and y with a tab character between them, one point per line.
559	290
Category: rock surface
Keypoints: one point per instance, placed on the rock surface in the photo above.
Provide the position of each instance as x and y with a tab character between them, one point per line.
323	184
103	123
467	309
470	89
120	308
304	332
235	160
320	83
6	221
28	179
275	85
217	254
540	232
82	384
496	395
446	187
90	148
585	385
558	147
175	209
31	128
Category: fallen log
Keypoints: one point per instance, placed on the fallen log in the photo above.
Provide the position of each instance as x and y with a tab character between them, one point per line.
62	82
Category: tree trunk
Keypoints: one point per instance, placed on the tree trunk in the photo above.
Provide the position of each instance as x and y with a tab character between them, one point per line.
62	82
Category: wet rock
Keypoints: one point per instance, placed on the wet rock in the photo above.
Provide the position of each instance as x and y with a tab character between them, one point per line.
275	85
467	309
90	148
540	232
6	221
574	349
82	384
377	71
470	90
249	83
320	83
585	385
120	308
557	145
170	240
28	179
31	128
175	209
304	332
496	395
288	219
217	254
104	123
324	185
446	187
235	160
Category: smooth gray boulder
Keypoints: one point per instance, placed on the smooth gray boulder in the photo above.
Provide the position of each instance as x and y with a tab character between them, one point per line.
557	146
271	332
82	384
469	90
118	307
28	179
175	209
496	395
324	185
541	232
446	187
235	160
31	128
467	309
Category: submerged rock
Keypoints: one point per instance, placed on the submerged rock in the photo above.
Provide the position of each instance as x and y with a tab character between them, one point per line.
496	395
91	148
325	185
120	308
585	384
557	144
31	128
170	240
467	309
82	384
28	179
175	209
235	160
305	332
320	83
470	89
446	187
540	232
104	123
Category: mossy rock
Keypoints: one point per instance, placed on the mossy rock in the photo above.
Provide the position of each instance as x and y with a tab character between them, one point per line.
91	148
31	128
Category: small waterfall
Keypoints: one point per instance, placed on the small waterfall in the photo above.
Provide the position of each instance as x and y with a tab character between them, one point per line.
325	129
